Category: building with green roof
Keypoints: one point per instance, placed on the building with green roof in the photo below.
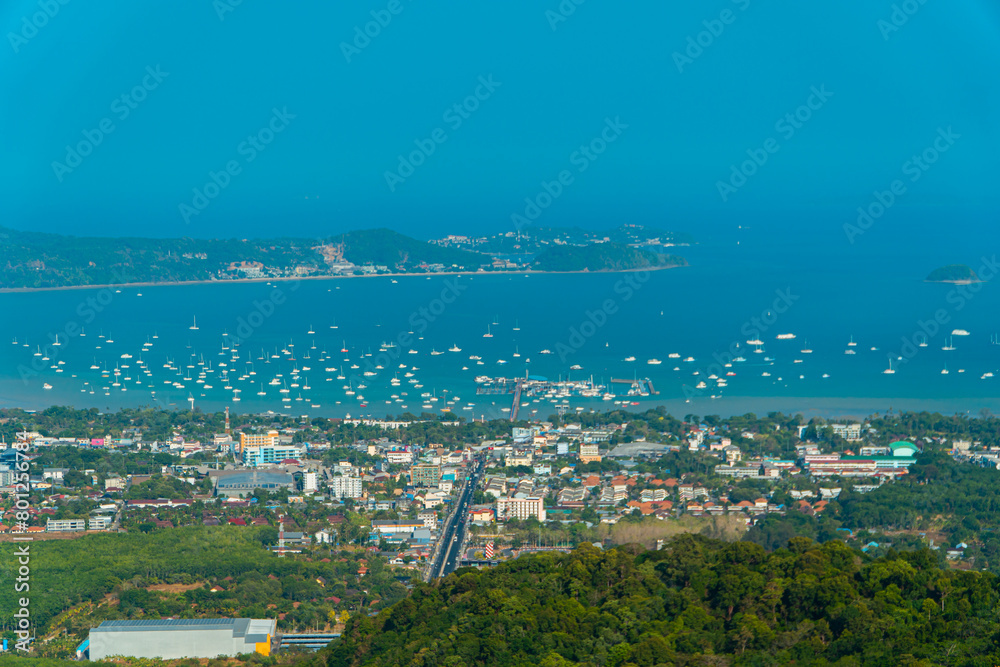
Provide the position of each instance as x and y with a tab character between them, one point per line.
903	448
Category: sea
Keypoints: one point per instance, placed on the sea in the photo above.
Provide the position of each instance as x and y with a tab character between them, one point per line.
336	345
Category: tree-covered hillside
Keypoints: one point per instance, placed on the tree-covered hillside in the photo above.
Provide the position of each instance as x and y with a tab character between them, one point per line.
696	602
603	257
34	259
398	252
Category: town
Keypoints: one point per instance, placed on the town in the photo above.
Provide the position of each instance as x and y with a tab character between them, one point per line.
418	498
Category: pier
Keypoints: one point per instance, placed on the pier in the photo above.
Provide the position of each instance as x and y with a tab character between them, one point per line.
517	400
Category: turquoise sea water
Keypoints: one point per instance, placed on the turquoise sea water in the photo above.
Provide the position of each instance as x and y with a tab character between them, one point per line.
872	294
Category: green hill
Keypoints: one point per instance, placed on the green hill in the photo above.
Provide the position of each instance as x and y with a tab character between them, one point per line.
388	248
953	273
33	259
603	257
696	602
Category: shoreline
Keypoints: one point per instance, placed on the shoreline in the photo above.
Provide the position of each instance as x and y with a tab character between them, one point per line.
236	281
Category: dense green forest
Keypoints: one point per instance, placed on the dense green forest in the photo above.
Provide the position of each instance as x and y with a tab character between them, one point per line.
695	602
603	257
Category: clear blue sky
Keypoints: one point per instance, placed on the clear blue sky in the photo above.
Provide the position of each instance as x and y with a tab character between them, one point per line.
559	80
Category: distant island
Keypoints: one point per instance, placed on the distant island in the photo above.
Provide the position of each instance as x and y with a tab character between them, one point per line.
35	260
960	274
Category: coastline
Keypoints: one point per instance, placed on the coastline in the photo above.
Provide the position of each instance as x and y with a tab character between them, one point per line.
235	281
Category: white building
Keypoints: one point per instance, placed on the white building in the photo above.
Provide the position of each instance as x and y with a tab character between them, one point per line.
399	456
345	487
520	508
847	431
310	482
99	522
65	525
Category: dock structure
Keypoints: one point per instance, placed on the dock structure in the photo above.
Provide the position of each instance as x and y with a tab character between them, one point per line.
517	400
641	385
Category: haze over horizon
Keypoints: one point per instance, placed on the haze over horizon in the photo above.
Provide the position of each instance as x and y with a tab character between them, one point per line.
216	74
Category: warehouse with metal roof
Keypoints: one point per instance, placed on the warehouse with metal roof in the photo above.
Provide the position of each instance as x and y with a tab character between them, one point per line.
242	483
182	638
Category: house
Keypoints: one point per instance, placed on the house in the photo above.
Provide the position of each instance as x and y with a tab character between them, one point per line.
482	515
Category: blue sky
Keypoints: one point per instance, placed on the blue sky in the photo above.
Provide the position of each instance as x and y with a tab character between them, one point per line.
557	82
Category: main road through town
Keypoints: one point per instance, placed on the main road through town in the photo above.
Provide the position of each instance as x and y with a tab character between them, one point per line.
450	551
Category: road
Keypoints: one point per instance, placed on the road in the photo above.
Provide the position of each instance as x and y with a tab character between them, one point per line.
453	535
